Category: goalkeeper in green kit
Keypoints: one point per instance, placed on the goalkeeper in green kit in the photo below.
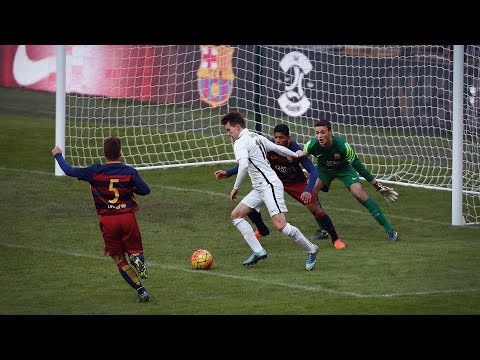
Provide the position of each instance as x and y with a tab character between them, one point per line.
336	159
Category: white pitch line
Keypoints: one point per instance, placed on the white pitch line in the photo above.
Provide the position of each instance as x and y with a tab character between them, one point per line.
297	204
224	195
251	279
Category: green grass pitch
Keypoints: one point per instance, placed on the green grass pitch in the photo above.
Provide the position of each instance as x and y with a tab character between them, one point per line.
53	262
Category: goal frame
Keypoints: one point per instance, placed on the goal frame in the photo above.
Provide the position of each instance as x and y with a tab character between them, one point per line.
457	127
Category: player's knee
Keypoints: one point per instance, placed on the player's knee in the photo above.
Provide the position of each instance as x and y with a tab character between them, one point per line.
234	216
319	213
237	214
361	196
319	185
280	226
121	264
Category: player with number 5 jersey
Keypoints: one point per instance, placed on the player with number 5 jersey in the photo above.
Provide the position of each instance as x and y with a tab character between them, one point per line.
113	186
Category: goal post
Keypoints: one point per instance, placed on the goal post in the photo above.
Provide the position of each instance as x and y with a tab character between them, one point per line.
457	136
408	111
60	103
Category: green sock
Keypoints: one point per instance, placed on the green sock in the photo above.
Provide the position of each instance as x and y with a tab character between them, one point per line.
377	214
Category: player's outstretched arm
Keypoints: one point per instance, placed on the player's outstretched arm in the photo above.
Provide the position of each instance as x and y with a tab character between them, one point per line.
282	150
310	173
56	150
389	194
64	165
140	186
222	174
308	167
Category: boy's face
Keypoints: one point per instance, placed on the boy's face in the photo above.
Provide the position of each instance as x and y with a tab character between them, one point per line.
323	135
233	130
281	139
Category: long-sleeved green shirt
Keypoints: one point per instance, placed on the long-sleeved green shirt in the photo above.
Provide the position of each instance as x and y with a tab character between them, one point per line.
336	158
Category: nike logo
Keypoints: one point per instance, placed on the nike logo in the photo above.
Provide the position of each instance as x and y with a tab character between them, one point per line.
27	71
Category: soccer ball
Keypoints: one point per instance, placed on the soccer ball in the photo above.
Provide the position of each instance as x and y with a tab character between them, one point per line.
202	260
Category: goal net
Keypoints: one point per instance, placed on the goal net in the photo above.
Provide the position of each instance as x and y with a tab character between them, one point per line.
393	104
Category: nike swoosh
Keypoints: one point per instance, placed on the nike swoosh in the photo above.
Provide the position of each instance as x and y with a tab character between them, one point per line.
27	71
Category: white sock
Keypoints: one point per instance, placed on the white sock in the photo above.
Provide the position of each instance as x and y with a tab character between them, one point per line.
300	239
247	231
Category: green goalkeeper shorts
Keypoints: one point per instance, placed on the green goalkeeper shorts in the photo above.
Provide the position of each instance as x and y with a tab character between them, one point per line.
347	176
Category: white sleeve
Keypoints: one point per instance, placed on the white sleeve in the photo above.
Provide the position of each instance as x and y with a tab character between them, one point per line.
282	150
242	172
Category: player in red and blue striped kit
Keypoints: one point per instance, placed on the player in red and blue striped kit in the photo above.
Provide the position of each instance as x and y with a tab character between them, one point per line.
113	186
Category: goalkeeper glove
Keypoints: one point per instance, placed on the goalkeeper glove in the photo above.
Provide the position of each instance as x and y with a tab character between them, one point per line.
388	193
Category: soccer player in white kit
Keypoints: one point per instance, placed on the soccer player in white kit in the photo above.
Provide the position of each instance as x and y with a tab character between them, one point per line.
251	155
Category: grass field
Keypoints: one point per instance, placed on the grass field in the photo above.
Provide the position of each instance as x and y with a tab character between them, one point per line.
53	263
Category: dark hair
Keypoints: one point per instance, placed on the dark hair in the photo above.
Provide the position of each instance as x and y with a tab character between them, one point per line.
234	118
282	128
323	123
112	148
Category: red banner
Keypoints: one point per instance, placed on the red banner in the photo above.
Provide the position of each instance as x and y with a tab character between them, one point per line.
142	72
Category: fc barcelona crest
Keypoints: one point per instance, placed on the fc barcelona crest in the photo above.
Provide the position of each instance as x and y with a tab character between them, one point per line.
215	75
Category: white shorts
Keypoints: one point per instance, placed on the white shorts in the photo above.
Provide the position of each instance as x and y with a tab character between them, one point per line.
271	195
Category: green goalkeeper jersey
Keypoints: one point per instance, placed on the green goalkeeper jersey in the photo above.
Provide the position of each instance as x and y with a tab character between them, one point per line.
339	157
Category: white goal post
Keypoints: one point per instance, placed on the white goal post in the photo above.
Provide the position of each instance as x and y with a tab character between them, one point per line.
410	112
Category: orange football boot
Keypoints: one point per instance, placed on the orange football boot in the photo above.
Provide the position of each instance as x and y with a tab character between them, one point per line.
339	244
